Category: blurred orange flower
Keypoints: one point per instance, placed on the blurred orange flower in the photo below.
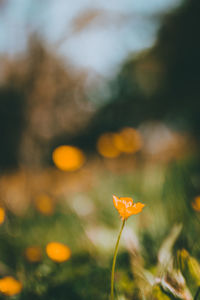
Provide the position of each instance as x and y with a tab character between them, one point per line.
2	215
126	207
128	140
68	158
106	145
33	254
196	204
44	204
58	252
10	286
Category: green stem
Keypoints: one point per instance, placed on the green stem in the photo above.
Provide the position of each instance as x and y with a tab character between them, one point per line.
114	261
197	294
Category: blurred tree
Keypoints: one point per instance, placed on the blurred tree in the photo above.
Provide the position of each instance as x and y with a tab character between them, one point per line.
54	103
11	125
160	83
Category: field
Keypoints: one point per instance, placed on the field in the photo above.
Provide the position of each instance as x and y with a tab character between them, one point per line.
159	249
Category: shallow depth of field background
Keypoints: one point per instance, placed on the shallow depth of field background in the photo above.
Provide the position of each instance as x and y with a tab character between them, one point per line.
99	98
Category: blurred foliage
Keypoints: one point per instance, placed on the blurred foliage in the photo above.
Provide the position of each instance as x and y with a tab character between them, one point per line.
53	102
159	84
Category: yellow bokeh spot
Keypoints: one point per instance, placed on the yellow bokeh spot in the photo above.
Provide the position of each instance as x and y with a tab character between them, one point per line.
68	158
33	254
58	252
2	215
106	145
196	204
128	140
44	204
10	286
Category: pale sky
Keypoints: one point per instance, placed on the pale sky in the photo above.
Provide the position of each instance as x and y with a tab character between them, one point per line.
100	46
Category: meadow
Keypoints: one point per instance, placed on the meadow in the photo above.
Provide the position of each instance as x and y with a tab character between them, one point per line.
59	244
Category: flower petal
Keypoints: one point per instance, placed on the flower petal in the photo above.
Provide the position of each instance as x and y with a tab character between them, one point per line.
127	201
116	201
135	209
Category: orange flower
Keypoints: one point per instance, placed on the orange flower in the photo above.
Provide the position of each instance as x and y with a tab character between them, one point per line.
33	254
2	215
196	204
126	207
58	252
10	286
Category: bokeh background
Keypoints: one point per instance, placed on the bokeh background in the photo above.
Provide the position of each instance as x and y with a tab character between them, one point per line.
99	98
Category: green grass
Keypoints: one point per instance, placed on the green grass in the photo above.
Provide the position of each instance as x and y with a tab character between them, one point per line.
88	223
